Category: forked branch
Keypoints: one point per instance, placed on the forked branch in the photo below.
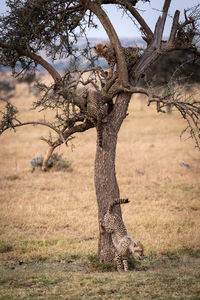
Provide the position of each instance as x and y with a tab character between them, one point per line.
129	5
181	38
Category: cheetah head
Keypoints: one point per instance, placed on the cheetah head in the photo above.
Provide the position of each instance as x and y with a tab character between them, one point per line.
137	249
100	49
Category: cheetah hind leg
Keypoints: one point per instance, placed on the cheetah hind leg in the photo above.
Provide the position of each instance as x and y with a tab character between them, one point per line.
101	228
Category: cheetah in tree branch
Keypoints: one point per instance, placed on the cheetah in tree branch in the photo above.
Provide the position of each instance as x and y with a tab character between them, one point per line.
107	51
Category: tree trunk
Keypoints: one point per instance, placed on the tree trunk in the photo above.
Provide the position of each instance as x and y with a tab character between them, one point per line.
47	157
106	185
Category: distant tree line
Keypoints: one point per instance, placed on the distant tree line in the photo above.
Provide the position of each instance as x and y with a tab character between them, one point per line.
177	66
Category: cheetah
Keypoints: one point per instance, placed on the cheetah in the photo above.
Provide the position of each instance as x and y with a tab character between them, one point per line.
107	51
123	244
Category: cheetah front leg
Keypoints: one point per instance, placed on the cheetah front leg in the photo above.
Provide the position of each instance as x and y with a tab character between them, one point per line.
119	262
125	263
111	69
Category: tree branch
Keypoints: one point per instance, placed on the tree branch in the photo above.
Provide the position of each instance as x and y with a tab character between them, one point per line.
174	26
34	123
162	21
130	7
36	58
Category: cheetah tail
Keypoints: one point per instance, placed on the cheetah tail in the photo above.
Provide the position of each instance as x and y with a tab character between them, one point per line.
119	201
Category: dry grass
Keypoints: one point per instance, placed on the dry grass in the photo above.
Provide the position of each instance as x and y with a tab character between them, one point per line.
53	214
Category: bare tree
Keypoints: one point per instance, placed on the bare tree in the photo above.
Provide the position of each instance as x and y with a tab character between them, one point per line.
52	27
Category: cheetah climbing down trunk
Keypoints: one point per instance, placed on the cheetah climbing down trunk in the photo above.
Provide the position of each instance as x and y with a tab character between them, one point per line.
123	244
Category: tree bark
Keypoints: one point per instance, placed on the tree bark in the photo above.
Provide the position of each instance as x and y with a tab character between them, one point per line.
106	185
47	157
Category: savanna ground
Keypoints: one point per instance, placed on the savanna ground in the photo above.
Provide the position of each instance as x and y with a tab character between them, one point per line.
48	221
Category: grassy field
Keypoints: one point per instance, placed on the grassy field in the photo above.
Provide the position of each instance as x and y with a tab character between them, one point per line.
48	221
